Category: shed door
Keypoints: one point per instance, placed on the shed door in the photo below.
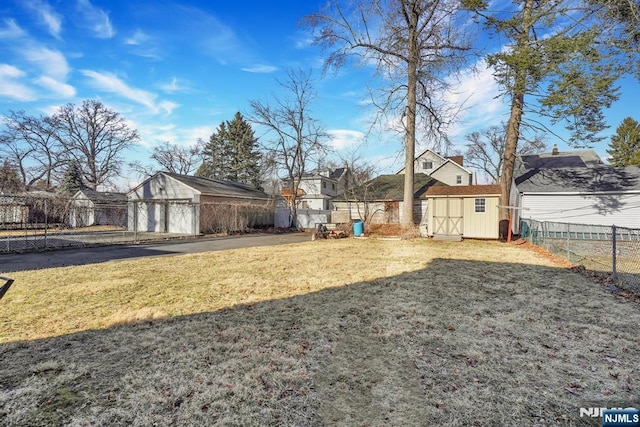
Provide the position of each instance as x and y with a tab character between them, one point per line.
448	215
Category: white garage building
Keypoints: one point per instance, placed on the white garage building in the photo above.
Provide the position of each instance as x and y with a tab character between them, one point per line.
184	204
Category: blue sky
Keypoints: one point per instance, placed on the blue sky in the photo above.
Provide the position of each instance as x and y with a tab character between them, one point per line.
175	70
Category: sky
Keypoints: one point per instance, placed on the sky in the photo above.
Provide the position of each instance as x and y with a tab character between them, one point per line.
176	69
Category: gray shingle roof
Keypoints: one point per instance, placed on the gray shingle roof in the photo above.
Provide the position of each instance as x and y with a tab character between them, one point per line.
104	196
218	187
569	159
583	179
390	187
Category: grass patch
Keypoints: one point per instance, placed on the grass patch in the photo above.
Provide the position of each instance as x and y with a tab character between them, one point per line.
338	332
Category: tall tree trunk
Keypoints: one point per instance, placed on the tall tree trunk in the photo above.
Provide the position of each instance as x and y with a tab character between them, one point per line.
410	131
515	117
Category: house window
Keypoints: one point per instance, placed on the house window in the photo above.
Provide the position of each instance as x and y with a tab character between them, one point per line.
458	179
427	165
333	186
324	184
481	205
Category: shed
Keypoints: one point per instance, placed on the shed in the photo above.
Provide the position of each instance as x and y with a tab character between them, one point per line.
469	211
90	207
184	204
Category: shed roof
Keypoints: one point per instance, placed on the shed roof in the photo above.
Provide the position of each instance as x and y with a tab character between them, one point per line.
218	187
391	187
102	196
582	180
464	190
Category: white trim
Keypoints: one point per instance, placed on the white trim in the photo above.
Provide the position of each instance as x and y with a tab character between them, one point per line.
420	155
449	161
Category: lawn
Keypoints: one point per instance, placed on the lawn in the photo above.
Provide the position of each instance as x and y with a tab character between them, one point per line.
342	332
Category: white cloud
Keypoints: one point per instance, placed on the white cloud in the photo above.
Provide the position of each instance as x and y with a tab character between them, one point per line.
344	138
51	19
168	107
95	19
51	62
7	70
111	83
138	38
173	86
260	68
478	93
303	42
59	88
10	87
11	30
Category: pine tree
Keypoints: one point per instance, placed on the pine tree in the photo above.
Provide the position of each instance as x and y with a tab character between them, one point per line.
245	159
215	155
10	181
231	153
72	181
625	144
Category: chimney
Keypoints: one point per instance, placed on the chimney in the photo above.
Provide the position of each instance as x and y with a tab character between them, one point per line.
555	149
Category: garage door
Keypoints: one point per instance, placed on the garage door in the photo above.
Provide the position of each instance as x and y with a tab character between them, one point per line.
180	218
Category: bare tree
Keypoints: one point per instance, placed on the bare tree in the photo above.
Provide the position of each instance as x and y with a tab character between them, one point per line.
294	140
176	159
31	144
415	44
485	150
95	136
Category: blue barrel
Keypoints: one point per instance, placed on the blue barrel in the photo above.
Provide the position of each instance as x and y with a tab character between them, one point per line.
358	228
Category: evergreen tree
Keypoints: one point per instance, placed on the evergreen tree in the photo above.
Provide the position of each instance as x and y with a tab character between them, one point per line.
231	153
215	155
10	181
625	144
245	159
72	181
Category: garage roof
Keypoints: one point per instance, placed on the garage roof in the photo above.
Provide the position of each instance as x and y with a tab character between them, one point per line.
218	187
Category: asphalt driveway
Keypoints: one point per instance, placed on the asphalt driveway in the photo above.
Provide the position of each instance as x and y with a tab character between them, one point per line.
61	258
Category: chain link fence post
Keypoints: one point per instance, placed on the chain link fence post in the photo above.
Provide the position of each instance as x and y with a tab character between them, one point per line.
614	268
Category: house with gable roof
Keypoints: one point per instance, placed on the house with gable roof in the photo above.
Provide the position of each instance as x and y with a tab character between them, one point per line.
577	187
448	170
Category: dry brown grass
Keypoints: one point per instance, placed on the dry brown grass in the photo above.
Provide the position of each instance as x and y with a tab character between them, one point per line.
337	332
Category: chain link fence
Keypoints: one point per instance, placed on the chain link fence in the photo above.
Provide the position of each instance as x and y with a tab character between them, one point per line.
37	222
610	249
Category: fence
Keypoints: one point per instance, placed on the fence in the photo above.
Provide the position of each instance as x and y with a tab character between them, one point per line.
610	249
33	223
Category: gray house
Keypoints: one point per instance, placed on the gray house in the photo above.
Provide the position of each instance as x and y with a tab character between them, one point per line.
90	207
184	204
576	187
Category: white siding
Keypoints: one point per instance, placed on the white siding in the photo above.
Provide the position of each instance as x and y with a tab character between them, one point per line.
611	209
419	165
449	173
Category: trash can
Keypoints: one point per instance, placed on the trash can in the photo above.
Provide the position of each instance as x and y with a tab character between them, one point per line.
358	228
